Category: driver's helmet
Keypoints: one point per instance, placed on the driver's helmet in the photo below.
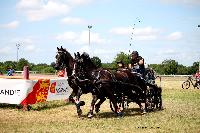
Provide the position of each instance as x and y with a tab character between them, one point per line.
135	53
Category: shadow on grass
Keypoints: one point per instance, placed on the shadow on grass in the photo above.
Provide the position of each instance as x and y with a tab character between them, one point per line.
36	107
46	106
126	113
10	106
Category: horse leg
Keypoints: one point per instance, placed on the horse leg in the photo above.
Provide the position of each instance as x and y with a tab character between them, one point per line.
142	109
97	106
79	103
90	113
117	109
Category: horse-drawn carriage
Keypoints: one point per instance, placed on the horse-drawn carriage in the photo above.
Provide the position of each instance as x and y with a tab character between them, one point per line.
120	87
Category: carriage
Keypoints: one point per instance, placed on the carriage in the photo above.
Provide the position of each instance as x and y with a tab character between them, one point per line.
120	87
153	94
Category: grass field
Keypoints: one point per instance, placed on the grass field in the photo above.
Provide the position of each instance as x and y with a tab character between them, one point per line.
181	114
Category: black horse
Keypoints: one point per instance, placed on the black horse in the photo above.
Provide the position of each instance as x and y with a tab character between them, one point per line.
123	83
98	81
82	85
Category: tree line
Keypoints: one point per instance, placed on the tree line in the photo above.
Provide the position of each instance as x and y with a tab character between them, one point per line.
167	67
18	66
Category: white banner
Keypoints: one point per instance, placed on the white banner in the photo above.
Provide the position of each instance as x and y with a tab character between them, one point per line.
20	91
13	91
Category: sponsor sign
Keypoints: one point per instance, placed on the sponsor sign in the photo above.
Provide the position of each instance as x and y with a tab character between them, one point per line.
20	91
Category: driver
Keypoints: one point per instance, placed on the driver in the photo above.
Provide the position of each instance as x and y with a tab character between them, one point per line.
137	63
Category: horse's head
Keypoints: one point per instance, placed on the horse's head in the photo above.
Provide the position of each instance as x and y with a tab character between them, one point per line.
79	67
63	60
60	59
83	64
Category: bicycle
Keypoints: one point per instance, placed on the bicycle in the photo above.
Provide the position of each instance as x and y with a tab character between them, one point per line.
190	80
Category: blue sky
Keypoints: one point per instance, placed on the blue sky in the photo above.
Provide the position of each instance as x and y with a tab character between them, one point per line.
160	29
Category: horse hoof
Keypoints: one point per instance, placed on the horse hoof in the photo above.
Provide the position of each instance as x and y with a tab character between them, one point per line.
119	114
79	112
144	111
90	115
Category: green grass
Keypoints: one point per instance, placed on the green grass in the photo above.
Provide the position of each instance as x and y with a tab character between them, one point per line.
181	114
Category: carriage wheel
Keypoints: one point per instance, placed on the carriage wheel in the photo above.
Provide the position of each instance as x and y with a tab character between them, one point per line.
186	84
150	100
112	107
124	103
198	86
159	102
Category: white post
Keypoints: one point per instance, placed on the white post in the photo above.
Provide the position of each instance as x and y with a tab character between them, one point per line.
17	45
89	27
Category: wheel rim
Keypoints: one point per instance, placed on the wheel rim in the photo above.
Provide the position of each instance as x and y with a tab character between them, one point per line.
186	85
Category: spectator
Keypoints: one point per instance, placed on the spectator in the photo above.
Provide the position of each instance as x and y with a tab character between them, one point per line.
197	76
10	72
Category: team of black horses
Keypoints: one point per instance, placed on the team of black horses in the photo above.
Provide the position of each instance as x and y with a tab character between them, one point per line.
121	86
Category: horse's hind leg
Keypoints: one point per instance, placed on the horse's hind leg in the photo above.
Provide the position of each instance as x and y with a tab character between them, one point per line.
117	109
142	109
97	106
94	99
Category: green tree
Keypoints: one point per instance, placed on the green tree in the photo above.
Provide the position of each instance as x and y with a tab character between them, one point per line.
158	68
97	61
39	67
10	64
194	67
182	70
125	58
170	66
111	66
49	69
21	63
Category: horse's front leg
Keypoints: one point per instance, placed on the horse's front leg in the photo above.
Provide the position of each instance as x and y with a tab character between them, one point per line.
97	106
94	99
79	103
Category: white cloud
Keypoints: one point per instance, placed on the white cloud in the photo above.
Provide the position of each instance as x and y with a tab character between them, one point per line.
11	25
29	4
30	48
186	2
26	43
175	36
73	20
106	55
67	36
147	33
5	50
37	10
167	52
80	38
41	10
78	2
